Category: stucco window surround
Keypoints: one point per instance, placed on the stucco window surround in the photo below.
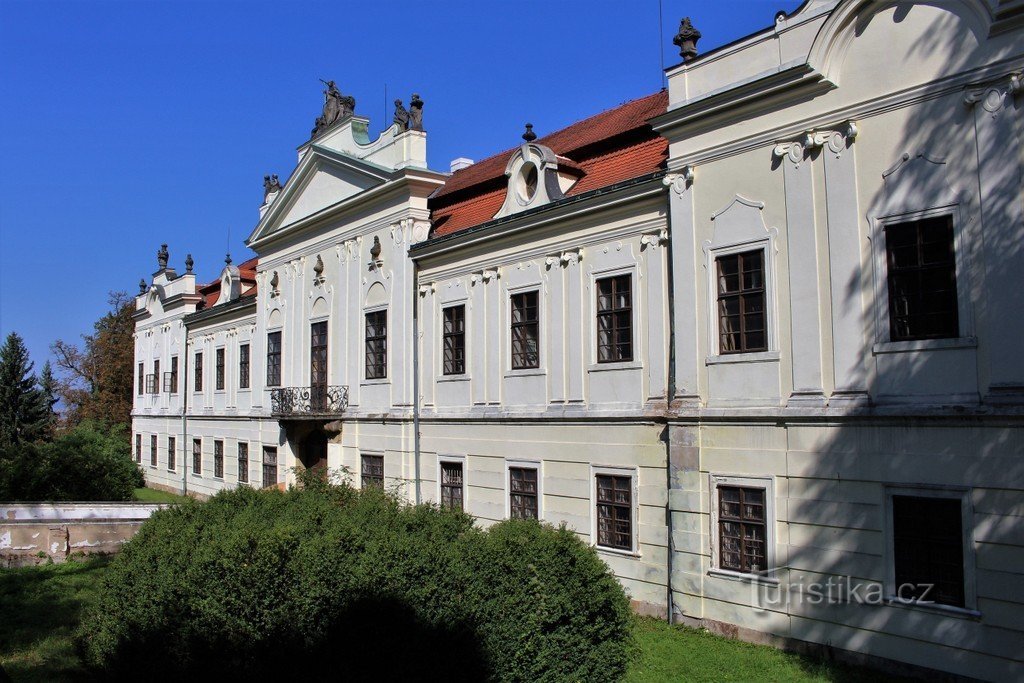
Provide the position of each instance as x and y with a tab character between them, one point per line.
388	348
768	485
633	271
740	227
463	376
542	348
456	460
961	494
615	471
534	179
535	465
917	188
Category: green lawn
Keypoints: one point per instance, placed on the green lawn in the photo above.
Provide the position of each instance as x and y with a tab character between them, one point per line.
41	607
153	496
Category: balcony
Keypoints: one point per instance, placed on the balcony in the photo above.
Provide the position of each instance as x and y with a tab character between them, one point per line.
308	402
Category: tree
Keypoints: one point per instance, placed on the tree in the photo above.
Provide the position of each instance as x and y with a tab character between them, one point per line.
48	387
96	381
24	413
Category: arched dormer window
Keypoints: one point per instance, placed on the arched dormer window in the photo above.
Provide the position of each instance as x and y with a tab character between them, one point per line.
536	176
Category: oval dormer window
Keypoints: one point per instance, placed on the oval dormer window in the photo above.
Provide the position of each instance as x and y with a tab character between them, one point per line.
528	182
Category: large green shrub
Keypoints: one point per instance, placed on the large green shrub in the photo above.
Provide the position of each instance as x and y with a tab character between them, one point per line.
90	463
334	583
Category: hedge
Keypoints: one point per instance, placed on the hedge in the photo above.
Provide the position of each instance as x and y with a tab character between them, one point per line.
336	583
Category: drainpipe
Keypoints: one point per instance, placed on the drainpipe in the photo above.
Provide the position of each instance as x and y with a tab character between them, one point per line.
416	376
671	384
184	411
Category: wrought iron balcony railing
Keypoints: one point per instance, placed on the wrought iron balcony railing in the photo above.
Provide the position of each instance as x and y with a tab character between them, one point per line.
308	401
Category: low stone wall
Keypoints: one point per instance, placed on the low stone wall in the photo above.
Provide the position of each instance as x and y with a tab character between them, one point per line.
35	533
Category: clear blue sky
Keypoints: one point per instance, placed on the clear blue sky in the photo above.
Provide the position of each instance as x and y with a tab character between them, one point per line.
128	124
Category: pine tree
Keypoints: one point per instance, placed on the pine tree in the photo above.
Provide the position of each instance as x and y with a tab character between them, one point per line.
48	387
23	408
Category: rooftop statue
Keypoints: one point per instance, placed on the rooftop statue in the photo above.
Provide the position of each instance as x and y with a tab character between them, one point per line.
270	185
336	107
401	115
687	39
162	256
415	113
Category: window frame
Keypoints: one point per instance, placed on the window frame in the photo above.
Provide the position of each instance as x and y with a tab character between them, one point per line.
154	450
244	365
197	372
634	489
242	474
274	379
138	447
452	460
197	456
770	521
524	464
919	230
445	336
536	290
173	376
711	254
142	379
220	372
632	309
362	474
963	494
264	465
218	458
379	310
741	295
172	453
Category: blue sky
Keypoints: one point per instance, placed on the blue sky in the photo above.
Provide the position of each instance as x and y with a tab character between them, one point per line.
128	124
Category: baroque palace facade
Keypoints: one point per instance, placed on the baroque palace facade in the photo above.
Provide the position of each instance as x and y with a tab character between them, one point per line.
756	337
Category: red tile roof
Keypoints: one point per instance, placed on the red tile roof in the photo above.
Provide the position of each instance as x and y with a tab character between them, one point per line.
211	291
605	149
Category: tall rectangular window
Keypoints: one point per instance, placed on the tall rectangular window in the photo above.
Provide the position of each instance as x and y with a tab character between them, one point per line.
454	340
269	466
377	345
152	451
614	319
928	549
525	330
219	370
218	459
197	456
138	448
451	485
243	366
615	511
172	377
318	365
522	490
274	359
172	452
372	471
142	378
741	302
198	383
922	279
243	462
156	376
742	529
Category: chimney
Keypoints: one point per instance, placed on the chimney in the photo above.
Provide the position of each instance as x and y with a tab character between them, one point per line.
460	163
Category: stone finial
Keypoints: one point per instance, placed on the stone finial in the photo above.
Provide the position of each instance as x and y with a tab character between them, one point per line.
189	263
142	286
318	267
274	281
162	256
375	249
687	39
415	113
529	135
227	259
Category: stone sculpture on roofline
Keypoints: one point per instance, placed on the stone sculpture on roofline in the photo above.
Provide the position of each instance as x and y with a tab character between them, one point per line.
411	118
687	39
336	107
270	185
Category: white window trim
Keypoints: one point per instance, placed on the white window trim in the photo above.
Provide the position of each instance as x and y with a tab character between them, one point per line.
970	608
458	459
767	246
766	483
386	379
965	337
223	348
263	366
464	375
175	468
383	462
632	473
541	368
635	305
527	464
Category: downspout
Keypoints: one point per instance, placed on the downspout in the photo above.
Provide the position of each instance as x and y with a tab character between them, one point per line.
184	411
416	376
671	395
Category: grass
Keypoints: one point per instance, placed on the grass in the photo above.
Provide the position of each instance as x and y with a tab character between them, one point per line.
154	496
42	607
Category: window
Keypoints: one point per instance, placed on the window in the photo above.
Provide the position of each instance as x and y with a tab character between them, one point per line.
172	452
151	384
142	378
451	485
318	366
615	511
274	359
138	448
372	471
243	366
525	331
171	381
454	341
218	459
269	466
614	319
197	456
922	279
152	450
741	302
219	375
243	462
156	377
199	371
928	549
742	529
377	345
522	492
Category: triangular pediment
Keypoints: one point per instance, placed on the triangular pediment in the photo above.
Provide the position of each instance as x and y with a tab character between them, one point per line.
322	179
